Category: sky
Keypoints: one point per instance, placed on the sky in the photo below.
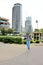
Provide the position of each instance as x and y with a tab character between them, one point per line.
33	8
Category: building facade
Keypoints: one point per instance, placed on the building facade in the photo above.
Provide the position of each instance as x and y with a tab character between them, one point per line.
4	23
17	17
37	35
28	25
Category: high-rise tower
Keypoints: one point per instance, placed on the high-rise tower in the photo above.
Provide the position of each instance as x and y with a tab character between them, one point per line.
17	17
28	25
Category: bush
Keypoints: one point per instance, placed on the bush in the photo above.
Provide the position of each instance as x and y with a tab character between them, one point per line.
11	39
42	41
37	41
31	41
24	41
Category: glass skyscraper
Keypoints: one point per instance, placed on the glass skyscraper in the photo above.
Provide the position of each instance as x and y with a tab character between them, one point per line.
28	25
17	17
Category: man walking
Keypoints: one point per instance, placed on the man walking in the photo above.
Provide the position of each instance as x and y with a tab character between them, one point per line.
28	41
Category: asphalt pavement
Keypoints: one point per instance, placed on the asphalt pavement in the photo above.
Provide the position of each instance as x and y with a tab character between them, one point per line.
20	55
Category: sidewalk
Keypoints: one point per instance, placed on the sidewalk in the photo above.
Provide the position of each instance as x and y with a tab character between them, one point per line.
8	51
37	44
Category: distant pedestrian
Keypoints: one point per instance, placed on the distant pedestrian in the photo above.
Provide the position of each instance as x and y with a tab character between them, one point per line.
28	41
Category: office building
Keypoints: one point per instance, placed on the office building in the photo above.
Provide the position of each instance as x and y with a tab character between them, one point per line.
17	17
4	23
28	25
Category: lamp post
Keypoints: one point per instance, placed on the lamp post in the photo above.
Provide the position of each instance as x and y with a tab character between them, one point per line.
37	23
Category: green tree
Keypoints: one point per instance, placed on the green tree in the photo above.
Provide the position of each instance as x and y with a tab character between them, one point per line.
36	30
3	31
41	30
10	30
27	33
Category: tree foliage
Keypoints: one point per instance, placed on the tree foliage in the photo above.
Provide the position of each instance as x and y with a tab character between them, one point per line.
6	31
36	30
10	30
3	31
41	30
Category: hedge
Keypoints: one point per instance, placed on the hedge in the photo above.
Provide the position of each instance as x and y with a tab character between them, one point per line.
42	41
24	41
37	41
32	41
11	39
16	40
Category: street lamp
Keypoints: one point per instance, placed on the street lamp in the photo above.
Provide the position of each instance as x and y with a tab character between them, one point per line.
37	23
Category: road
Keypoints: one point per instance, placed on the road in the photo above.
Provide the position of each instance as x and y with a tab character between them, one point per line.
20	55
